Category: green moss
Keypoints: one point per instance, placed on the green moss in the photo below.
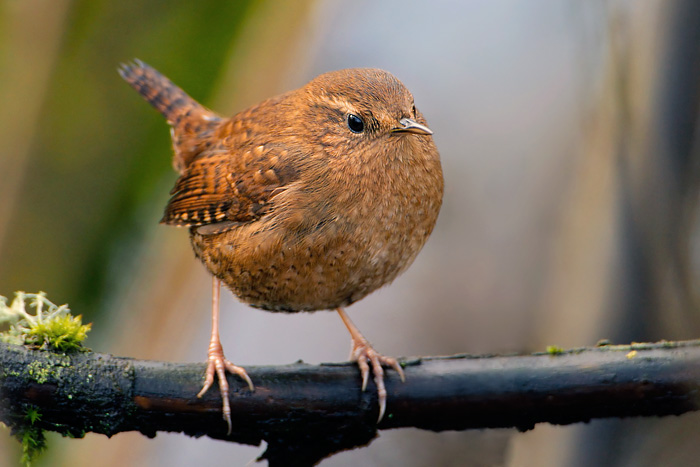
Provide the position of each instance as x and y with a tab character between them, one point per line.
62	333
32	319
33	415
554	350
50	326
31	436
39	371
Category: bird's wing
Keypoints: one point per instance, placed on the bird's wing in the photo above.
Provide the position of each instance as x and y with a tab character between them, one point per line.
229	186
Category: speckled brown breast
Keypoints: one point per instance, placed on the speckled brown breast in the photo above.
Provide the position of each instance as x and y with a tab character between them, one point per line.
308	258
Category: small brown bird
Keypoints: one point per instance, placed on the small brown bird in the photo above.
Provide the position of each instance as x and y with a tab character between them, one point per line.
307	201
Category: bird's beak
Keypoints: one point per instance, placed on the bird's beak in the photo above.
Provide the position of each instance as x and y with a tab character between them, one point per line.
410	126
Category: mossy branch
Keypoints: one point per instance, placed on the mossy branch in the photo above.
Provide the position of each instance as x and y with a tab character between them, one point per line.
306	412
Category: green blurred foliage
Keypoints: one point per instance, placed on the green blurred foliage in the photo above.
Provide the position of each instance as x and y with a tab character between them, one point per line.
98	157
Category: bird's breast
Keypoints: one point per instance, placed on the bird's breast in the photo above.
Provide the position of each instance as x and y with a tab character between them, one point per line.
331	243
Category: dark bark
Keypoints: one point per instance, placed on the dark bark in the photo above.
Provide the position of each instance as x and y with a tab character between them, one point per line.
306	412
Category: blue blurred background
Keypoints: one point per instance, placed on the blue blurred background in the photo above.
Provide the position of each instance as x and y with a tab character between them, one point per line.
568	134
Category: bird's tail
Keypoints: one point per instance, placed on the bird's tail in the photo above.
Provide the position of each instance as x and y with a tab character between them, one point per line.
191	122
163	94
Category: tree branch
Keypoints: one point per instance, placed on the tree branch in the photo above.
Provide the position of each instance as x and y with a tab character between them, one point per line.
307	412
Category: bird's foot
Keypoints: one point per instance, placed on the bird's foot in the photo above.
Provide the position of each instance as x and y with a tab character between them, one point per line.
367	358
217	365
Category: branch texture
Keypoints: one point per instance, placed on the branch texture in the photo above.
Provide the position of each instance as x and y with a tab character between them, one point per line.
306	412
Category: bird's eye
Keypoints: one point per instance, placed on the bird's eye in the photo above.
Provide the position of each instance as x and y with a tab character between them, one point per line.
413	109
355	123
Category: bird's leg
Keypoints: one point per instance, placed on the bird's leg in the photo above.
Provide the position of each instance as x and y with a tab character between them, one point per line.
217	363
364	354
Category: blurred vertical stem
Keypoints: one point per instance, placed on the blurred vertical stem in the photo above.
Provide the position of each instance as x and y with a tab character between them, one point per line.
27	58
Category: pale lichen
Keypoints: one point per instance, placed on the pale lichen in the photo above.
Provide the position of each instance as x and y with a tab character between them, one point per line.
39	371
48	326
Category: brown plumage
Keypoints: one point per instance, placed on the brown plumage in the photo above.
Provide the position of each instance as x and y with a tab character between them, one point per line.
307	201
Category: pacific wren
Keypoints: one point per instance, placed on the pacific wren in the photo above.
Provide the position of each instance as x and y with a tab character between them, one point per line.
307	201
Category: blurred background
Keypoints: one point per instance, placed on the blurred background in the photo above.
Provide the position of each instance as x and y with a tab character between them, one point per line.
569	138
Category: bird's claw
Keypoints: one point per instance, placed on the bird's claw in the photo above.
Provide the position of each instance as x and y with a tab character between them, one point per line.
217	365
367	358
